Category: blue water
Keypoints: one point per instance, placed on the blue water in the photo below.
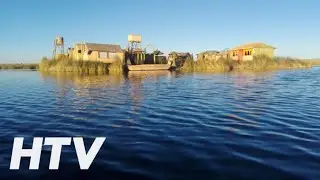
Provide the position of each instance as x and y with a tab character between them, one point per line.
167	125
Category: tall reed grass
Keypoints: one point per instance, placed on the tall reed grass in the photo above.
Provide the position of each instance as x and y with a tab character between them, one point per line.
313	62
79	66
259	63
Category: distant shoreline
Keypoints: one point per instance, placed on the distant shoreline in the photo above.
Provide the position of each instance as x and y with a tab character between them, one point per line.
27	66
312	61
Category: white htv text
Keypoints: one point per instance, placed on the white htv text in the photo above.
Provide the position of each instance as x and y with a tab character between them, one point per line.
85	159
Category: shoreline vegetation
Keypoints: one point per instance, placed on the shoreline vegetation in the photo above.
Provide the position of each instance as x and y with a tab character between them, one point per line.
314	62
79	66
259	63
19	66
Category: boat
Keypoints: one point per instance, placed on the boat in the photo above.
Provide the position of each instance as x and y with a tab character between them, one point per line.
149	67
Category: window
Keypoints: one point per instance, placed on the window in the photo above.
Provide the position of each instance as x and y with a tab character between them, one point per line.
248	52
111	55
235	53
103	55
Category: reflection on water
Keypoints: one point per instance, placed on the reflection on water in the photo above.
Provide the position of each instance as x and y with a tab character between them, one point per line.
168	125
82	81
150	75
117	88
104	81
84	85
136	79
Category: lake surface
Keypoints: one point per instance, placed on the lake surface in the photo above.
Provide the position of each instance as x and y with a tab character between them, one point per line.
166	125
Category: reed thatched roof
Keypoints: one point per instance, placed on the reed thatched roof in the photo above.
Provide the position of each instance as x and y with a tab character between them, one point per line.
183	54
209	52
103	47
253	45
222	53
158	52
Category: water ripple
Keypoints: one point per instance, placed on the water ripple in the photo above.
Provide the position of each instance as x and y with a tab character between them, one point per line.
168	125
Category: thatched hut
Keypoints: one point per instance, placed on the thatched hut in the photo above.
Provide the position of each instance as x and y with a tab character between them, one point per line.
207	55
180	57
96	52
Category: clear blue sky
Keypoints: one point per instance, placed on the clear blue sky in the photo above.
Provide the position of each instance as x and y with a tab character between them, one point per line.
28	28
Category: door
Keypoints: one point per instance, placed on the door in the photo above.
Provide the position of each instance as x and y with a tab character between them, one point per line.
240	55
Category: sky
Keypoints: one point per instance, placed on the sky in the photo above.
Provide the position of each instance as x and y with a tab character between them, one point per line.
28	28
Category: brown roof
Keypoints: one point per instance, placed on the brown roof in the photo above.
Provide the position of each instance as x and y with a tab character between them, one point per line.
180	53
222	53
210	52
252	45
103	47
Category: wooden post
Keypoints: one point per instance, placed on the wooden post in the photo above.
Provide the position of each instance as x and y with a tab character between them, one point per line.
137	58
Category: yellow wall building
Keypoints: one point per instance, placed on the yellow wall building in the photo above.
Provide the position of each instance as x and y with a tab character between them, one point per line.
246	52
107	53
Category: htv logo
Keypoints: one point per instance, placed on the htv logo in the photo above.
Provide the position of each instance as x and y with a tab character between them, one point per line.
85	158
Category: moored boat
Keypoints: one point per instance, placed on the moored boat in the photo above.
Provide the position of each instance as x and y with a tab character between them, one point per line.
149	67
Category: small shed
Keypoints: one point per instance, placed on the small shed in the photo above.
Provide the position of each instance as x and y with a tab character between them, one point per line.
210	54
180	57
179	54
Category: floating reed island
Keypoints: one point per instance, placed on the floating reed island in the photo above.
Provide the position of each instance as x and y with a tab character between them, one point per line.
104	58
258	63
247	57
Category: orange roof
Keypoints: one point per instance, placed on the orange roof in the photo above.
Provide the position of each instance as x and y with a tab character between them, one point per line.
252	45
